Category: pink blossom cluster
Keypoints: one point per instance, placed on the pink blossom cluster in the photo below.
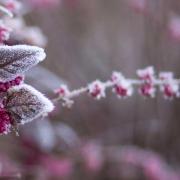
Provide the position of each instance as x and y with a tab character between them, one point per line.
152	165
94	157
19	103
4	86
5	121
147	83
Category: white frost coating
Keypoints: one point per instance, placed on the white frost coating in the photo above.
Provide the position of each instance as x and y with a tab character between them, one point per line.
39	52
148	72
15	60
166	75
46	105
123	87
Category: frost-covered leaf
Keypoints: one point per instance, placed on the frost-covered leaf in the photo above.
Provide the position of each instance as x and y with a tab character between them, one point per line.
15	60
25	103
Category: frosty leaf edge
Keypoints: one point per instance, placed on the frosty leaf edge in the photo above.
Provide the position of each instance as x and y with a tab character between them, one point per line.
16	60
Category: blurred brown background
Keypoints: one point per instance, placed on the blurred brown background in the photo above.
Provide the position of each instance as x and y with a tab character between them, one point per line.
91	39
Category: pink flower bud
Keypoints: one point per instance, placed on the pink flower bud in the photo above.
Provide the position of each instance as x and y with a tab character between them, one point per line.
122	87
147	76
62	91
170	87
147	90
97	89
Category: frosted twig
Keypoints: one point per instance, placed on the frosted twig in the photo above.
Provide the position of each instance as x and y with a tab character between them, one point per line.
147	85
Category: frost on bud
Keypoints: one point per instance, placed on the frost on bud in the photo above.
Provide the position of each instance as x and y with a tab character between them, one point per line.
122	87
170	87
62	91
25	104
97	89
147	75
15	60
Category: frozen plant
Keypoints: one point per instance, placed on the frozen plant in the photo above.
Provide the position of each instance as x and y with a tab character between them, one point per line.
19	103
147	84
16	59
